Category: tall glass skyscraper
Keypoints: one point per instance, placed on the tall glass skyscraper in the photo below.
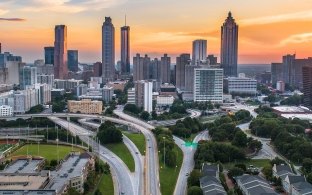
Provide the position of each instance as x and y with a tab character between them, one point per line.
49	55
229	46
108	50
199	53
125	50
60	52
72	60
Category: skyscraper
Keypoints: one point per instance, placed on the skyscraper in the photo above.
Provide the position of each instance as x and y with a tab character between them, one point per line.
141	67
27	76
108	50
229	46
49	55
125	50
182	61
73	60
199	51
165	62
307	86
60	52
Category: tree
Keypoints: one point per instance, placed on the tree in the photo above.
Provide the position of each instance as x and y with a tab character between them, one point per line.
132	108
309	178
267	172
193	179
194	190
108	133
235	171
72	191
97	192
240	139
53	163
154	115
145	115
307	165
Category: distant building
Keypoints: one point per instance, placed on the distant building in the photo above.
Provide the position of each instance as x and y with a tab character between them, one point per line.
277	72
44	78
199	53
164	100
307	86
144	95
72	60
254	185
81	89
264	77
154	70
108	50
57	93
60	52
97	69
280	86
125	50
49	55
210	182
141	66
68	85
47	69
131	96
6	110
117	85
229	46
212	60
168	89
240	86
165	62
27	76
10	66
182	61
208	85
108	93
85	106
189	77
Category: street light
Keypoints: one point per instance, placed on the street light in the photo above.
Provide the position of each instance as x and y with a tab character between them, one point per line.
164	152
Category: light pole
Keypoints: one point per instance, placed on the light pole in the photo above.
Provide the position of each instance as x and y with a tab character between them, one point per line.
164	152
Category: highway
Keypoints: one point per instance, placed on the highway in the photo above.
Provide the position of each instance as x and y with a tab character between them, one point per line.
120	171
188	161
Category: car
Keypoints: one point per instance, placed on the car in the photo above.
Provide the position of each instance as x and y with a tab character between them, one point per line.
136	152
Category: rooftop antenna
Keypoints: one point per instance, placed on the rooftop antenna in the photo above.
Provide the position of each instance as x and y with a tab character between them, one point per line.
125	20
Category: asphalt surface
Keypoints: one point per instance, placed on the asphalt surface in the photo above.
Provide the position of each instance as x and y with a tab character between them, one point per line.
188	161
120	171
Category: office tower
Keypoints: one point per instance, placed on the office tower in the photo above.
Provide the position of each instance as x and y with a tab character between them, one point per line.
97	69
27	76
125	50
240	86
154	70
280	86
165	62
141	67
288	66
182	61
199	54
189	77
276	72
208	85
108	50
49	55
229	46
297	72
144	95
307	86
9	68
60	52
212	60
45	78
72	60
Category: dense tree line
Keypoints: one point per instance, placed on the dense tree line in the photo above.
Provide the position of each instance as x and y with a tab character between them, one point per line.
61	134
31	122
186	127
35	109
109	133
294	100
164	139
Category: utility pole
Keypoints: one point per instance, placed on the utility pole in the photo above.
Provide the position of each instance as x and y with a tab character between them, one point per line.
164	152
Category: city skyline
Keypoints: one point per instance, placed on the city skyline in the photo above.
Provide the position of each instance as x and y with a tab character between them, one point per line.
259	27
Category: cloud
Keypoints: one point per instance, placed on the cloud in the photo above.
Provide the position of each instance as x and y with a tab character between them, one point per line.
302	16
13	19
298	38
2	11
67	6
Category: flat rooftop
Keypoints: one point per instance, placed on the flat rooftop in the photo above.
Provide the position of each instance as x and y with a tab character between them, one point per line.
26	192
291	109
23	166
22	182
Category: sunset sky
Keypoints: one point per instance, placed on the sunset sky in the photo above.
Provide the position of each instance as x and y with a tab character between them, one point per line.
268	29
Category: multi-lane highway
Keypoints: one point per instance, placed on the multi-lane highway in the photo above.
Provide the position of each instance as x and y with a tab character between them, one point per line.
123	177
188	161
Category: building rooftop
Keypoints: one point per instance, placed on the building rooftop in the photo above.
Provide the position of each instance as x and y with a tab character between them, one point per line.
22	182
255	185
28	192
290	109
23	166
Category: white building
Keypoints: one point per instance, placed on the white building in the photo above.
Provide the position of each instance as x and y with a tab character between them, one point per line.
240	85
6	110
199	53
280	86
144	95
208	85
27	76
46	78
164	100
108	93
131	96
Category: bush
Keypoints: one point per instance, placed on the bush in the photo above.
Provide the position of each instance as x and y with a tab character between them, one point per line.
108	133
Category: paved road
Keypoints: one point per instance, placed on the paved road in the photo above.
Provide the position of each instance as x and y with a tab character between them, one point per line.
119	170
188	161
137	156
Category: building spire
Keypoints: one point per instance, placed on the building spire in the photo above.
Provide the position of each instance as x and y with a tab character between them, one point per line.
230	14
125	19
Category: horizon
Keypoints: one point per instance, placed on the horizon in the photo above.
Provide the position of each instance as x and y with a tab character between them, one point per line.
29	27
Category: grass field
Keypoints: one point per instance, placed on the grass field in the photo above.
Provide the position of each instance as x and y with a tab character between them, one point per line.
169	176
138	139
49	152
255	162
106	185
123	153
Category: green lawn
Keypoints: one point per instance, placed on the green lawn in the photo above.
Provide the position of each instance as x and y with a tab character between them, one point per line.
123	153
49	152
138	139
169	176
255	162
106	185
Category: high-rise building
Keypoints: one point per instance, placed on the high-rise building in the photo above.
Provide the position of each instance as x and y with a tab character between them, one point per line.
229	46
199	54
27	76
208	85
182	61
165	62
125	50
307	86
72	56
212	60
108	50
10	66
276	72
60	52
45	78
141	66
97	69
189	77
280	86
49	55
240	86
154	70
288	66
144	95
